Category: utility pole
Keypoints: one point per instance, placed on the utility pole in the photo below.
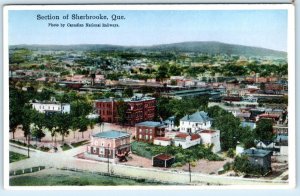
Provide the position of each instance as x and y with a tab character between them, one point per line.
190	172
108	160
28	143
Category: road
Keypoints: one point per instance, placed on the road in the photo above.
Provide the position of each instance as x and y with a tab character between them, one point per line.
66	159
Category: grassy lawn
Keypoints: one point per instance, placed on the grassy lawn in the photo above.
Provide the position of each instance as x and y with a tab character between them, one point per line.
76	144
13	157
182	156
70	178
65	147
22	144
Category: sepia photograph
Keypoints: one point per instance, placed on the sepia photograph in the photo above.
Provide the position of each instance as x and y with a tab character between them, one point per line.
149	96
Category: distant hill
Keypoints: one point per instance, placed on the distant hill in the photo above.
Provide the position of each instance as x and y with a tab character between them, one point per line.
209	47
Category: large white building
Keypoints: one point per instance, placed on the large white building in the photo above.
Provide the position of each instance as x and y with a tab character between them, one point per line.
51	106
209	137
195	122
186	140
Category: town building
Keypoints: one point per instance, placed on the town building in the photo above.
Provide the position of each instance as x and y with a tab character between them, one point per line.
211	137
170	123
162	141
139	109
259	157
162	160
51	106
149	130
186	140
108	145
195	122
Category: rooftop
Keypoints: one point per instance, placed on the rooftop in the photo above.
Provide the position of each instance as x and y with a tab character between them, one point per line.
197	117
163	138
256	152
133	99
112	134
184	135
150	124
163	157
208	131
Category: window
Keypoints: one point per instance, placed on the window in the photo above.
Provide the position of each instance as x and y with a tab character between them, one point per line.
146	137
140	136
150	137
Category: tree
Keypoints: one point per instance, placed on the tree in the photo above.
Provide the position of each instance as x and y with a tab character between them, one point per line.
83	125
51	124
242	164
37	132
175	70
229	130
264	129
216	111
128	92
16	104
122	108
162	72
63	124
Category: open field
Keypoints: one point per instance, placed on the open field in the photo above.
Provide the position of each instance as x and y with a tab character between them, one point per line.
53	177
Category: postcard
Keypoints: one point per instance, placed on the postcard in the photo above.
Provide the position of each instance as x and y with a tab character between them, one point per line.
149	96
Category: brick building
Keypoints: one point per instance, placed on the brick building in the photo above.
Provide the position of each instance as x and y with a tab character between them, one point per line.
107	145
139	109
149	130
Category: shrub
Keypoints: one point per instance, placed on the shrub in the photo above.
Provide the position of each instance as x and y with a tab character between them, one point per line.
227	166
193	164
230	153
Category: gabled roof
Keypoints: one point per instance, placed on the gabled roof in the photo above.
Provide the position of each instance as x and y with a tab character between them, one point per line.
196	117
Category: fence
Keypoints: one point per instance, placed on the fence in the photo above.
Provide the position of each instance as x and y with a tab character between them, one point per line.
26	171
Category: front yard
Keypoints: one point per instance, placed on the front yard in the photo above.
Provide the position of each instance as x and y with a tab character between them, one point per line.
182	156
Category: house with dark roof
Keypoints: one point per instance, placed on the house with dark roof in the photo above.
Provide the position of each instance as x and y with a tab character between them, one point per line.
163	160
149	130
259	157
195	122
107	145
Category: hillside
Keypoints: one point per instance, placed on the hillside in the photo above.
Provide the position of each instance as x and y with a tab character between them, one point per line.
210	47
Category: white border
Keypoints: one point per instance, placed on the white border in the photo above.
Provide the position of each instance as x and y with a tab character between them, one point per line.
291	87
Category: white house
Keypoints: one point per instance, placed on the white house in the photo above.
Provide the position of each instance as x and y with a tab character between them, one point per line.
162	141
170	123
186	140
51	106
195	122
209	137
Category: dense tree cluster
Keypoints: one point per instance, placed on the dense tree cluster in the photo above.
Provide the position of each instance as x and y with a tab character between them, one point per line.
36	124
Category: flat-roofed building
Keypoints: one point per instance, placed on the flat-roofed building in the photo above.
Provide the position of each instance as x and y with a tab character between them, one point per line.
107	145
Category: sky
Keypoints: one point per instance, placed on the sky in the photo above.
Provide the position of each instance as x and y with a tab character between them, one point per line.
260	28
